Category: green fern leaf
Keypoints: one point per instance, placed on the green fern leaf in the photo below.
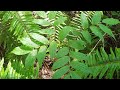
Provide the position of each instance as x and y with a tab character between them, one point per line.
103	71
41	55
67	76
60	72
59	21
42	22
39	38
74	75
42	14
106	30
62	52
111	71
52	49
77	44
111	21
21	50
84	21
78	55
6	16
60	62
28	42
112	55
99	58
52	14
96	71
64	32
97	32
86	35
96	17
104	55
80	67
47	31
29	61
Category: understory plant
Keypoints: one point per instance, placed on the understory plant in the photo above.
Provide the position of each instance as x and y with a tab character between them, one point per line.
76	45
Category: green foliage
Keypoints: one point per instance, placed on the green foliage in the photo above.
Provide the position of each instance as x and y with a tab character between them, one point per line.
30	58
20	51
41	22
52	49
103	65
111	21
61	62
106	30
60	72
84	21
73	44
39	38
77	44
96	18
86	35
41	55
62	52
64	32
9	72
96	31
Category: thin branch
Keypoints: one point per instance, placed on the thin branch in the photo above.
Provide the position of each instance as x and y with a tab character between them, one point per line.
96	45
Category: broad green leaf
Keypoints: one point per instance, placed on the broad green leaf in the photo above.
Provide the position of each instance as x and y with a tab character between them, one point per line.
111	21
28	42
39	38
76	32
78	55
41	55
29	61
21	51
60	72
80	66
60	62
42	22
6	17
62	52
74	75
96	17
77	44
106	30
84	21
96	31
64	32
86	35
59	21
67	76
42	14
47	31
52	49
52	14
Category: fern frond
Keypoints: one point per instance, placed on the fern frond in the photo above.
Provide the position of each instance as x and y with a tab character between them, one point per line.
104	65
9	72
20	22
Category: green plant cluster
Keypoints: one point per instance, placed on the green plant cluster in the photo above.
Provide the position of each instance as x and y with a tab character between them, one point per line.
76	45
